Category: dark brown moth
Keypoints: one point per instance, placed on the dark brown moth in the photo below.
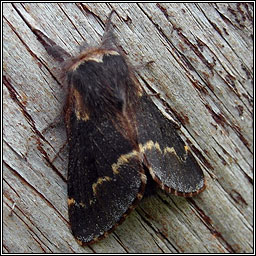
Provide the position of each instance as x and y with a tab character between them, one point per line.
117	136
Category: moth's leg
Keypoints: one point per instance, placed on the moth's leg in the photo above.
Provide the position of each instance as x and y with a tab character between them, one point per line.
142	65
51	47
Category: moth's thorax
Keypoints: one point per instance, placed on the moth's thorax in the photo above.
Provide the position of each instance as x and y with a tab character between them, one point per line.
103	81
95	54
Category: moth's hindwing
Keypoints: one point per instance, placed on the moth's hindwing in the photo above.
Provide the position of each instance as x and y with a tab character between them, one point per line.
105	174
168	159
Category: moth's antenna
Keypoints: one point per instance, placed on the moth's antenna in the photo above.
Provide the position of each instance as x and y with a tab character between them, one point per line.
51	47
108	39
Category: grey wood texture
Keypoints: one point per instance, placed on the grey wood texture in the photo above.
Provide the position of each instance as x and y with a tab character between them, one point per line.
203	71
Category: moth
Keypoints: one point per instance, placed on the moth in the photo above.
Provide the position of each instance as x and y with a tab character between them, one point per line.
117	138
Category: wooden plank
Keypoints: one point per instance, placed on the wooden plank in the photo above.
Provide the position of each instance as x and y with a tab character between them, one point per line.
203	70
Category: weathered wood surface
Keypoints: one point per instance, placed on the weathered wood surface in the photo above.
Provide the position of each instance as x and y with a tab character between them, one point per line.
203	68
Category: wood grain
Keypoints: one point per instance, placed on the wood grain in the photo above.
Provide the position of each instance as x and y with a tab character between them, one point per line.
203	70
